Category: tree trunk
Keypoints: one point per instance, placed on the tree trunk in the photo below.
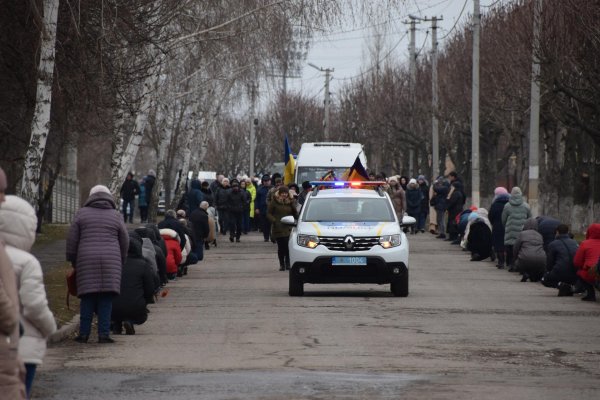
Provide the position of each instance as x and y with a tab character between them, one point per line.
118	150
40	125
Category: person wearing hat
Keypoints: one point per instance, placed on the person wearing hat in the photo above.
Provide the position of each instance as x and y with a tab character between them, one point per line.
398	197
236	204
413	201
514	215
129	190
260	206
97	233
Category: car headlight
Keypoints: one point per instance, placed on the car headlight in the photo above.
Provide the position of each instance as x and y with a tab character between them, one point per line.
389	241
309	241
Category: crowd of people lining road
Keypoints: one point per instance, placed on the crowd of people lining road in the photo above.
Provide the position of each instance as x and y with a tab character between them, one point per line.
120	271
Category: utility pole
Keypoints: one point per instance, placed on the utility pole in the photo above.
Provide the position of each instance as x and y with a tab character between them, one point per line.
435	135
412	65
253	123
534	121
327	104
475	108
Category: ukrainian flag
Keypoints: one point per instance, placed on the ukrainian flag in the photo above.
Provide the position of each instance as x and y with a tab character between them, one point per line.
290	164
356	172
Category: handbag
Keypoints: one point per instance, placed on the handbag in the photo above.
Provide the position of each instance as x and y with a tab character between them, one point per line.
71	285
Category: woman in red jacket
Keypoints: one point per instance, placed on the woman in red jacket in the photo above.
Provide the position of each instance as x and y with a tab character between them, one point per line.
173	255
586	259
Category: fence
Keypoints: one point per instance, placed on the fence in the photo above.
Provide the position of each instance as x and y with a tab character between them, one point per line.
65	200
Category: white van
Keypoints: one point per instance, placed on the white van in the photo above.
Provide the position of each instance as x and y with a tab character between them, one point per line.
316	159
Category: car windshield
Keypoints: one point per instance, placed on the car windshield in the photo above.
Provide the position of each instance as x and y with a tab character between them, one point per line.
316	173
348	209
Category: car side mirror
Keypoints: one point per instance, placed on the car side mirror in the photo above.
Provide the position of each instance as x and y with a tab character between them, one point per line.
406	220
289	220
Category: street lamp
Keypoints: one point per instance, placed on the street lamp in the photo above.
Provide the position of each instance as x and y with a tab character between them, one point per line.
328	72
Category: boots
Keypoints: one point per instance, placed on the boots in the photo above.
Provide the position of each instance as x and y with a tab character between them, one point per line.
591	293
564	289
82	338
281	267
287	263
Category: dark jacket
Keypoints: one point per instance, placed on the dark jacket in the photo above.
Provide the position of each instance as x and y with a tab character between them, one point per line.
439	201
559	258
129	189
200	227
137	286
495	217
463	221
156	237
279	208
194	196
149	184
97	245
425	199
547	228
221	195
261	199
236	201
159	253
172	223
413	200
456	201
208	197
480	239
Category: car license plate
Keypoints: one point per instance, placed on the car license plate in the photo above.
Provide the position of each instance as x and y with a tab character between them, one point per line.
349	261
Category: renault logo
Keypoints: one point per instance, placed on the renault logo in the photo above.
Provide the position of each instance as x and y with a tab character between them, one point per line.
349	242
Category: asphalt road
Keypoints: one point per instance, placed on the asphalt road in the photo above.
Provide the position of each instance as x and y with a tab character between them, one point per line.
229	331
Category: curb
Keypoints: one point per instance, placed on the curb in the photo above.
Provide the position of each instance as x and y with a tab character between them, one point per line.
65	331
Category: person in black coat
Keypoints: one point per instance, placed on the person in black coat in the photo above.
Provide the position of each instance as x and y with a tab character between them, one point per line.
413	202
547	228
221	195
200	228
137	290
208	194
495	216
559	261
424	187
171	222
456	201
440	203
236	203
149	182
194	196
161	261
129	190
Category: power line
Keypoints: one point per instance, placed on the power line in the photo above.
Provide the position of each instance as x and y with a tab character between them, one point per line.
378	61
455	22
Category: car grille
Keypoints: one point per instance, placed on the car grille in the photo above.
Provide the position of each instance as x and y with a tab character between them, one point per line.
337	243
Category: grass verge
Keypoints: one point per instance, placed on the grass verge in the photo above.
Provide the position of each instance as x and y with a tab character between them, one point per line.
56	291
51	233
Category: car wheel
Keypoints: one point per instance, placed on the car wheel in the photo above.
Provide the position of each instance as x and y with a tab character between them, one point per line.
400	286
296	285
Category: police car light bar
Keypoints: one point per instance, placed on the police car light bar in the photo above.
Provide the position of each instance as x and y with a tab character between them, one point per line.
341	184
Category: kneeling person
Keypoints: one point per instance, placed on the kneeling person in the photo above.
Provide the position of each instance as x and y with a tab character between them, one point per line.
137	290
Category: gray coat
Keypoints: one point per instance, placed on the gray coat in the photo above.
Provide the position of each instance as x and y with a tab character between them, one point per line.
514	215
97	245
529	245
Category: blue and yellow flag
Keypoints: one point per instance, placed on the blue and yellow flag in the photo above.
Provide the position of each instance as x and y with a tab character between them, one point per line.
356	172
290	164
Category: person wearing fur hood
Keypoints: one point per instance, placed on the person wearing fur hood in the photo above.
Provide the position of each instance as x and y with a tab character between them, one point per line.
281	205
478	235
18	224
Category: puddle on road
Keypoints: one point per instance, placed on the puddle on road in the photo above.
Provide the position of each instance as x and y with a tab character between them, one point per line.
248	385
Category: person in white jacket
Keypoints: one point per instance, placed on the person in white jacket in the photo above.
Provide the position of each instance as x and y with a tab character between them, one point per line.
18	223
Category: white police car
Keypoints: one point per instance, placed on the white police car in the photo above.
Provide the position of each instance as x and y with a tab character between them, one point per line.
348	234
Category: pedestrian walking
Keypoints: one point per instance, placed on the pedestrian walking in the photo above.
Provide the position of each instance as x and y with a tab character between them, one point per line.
129	190
260	206
501	197
200	228
246	212
514	215
149	182
281	205
221	194
18	223
97	246
143	202
236	203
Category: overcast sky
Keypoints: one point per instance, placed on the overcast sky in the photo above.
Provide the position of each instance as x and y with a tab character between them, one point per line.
344	49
